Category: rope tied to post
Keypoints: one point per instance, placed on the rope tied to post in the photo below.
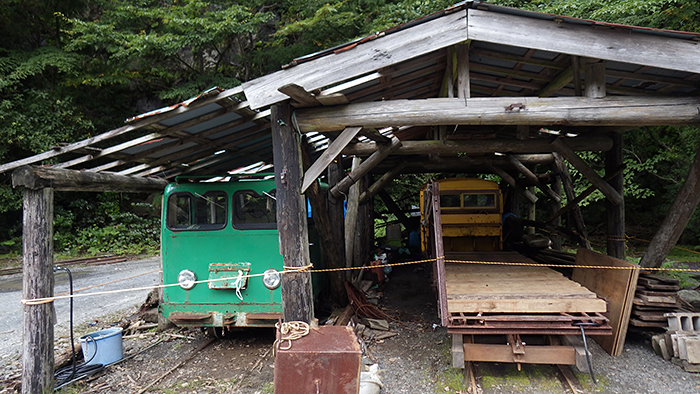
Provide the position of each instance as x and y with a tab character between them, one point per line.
290	331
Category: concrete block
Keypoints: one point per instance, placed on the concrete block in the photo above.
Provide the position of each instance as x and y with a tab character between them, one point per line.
692	348
686	322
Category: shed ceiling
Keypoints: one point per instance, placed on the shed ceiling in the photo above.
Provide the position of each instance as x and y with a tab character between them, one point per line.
220	132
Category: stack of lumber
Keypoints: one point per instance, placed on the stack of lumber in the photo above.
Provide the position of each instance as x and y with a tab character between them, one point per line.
522	289
656	296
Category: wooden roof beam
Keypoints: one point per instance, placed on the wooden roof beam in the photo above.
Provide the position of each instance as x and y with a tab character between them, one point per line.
588	41
483	147
33	177
537	111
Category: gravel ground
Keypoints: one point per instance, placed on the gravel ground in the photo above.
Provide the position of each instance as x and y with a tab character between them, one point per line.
417	360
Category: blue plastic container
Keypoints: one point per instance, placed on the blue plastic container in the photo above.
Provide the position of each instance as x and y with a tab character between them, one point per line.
102	347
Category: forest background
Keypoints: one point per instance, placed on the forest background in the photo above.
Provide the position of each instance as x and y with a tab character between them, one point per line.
70	69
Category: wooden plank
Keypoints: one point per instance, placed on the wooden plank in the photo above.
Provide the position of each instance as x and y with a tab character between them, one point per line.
599	42
615	285
562	148
369	56
443	303
328	156
539	305
329	99
532	355
302	98
535	111
37	282
502	256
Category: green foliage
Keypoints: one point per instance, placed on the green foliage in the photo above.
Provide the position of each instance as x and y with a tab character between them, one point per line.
114	224
663	14
159	44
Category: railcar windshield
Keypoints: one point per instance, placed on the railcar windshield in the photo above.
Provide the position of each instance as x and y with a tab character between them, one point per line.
467	200
254	211
194	211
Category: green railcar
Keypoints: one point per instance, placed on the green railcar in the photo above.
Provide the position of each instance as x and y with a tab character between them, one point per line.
214	235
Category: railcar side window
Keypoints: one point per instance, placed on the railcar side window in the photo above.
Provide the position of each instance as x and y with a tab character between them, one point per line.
252	210
187	211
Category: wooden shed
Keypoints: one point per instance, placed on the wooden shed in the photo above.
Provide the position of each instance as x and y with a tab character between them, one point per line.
472	88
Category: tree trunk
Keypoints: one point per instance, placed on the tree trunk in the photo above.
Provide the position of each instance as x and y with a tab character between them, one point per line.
676	218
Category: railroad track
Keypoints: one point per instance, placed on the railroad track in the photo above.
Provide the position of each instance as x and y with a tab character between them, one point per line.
83	261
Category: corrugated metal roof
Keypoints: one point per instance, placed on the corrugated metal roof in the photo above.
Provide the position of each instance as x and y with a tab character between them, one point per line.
217	132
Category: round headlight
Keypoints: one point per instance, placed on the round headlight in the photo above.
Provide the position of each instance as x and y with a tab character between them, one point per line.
272	279
186	279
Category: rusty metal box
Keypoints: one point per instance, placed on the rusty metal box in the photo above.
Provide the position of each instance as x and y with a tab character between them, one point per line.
326	361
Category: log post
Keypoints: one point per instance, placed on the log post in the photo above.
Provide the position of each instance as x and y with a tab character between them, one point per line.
333	251
676	219
297	298
37	282
615	213
555	206
351	218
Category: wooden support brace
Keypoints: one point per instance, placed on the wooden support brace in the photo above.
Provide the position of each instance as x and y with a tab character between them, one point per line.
570	196
374	159
587	171
394	208
382	182
563	79
374	136
574	203
328	156
511	181
533	178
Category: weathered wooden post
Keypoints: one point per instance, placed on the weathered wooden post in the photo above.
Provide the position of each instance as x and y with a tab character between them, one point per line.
37	282
615	213
297	298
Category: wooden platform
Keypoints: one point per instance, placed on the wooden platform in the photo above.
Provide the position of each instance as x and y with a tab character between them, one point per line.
473	288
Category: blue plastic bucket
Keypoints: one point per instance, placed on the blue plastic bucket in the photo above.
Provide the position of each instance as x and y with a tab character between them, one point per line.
102	347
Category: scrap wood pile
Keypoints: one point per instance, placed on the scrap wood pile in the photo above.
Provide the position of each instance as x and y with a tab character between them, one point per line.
656	296
369	321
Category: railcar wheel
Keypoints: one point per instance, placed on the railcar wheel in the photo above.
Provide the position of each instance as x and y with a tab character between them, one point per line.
215	332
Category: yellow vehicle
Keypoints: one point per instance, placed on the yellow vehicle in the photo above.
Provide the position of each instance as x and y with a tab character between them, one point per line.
471	213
